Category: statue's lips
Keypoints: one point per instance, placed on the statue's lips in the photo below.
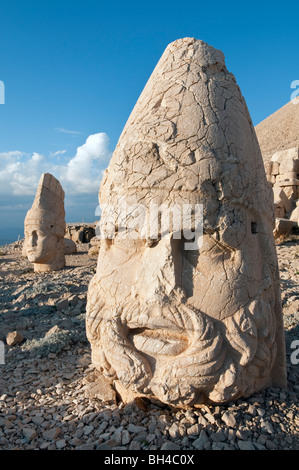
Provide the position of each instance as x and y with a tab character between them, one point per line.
158	341
157	333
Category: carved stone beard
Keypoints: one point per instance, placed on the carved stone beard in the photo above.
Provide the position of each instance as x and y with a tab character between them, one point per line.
180	355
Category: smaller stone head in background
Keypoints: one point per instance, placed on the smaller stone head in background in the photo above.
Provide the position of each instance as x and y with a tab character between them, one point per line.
45	227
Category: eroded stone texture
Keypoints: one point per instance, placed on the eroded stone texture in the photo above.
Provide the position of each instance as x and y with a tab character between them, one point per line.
70	246
45	227
188	326
282	172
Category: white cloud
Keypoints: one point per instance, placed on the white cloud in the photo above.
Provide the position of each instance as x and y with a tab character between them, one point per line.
66	131
88	161
56	154
80	174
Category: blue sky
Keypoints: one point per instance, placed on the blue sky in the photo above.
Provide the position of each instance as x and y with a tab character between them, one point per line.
74	69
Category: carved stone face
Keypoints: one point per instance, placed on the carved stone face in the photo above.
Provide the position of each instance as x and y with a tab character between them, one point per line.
41	243
188	326
44	226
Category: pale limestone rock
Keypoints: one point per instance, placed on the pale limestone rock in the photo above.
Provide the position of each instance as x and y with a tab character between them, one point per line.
13	338
70	246
295	215
99	387
54	330
281	199
80	233
95	244
188	326
282	172
288	160
283	228
45	227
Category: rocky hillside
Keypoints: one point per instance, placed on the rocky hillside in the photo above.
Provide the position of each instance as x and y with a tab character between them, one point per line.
279	131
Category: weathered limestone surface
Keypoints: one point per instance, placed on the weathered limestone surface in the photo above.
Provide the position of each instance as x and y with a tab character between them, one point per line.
188	326
80	233
283	228
95	244
45	227
70	246
282	172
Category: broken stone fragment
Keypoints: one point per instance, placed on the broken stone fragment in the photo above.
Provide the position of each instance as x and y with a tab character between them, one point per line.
13	338
80	233
288	160
70	246
99	387
295	215
283	228
281	199
54	330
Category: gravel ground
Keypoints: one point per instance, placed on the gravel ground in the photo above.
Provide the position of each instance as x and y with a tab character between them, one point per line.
43	404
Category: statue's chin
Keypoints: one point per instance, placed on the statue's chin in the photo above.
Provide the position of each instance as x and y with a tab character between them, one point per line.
36	259
32	258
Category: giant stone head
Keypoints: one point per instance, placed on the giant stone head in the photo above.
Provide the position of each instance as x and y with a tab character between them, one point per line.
166	318
45	226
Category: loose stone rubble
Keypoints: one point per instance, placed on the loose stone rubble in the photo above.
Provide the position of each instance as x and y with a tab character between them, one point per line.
43	403
199	325
80	233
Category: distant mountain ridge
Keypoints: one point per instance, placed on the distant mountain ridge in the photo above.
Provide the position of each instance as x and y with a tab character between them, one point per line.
279	131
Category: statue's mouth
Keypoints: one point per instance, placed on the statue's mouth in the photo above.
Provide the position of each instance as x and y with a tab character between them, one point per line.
157	342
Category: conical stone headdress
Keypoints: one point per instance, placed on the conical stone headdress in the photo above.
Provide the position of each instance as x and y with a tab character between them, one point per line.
48	205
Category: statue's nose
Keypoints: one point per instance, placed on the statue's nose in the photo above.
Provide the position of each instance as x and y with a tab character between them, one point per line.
160	270
33	239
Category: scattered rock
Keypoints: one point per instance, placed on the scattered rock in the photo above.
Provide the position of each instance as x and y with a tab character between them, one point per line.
52	434
29	433
200	442
246	445
60	444
97	386
55	329
283	228
13	338
80	233
70	246
229	419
